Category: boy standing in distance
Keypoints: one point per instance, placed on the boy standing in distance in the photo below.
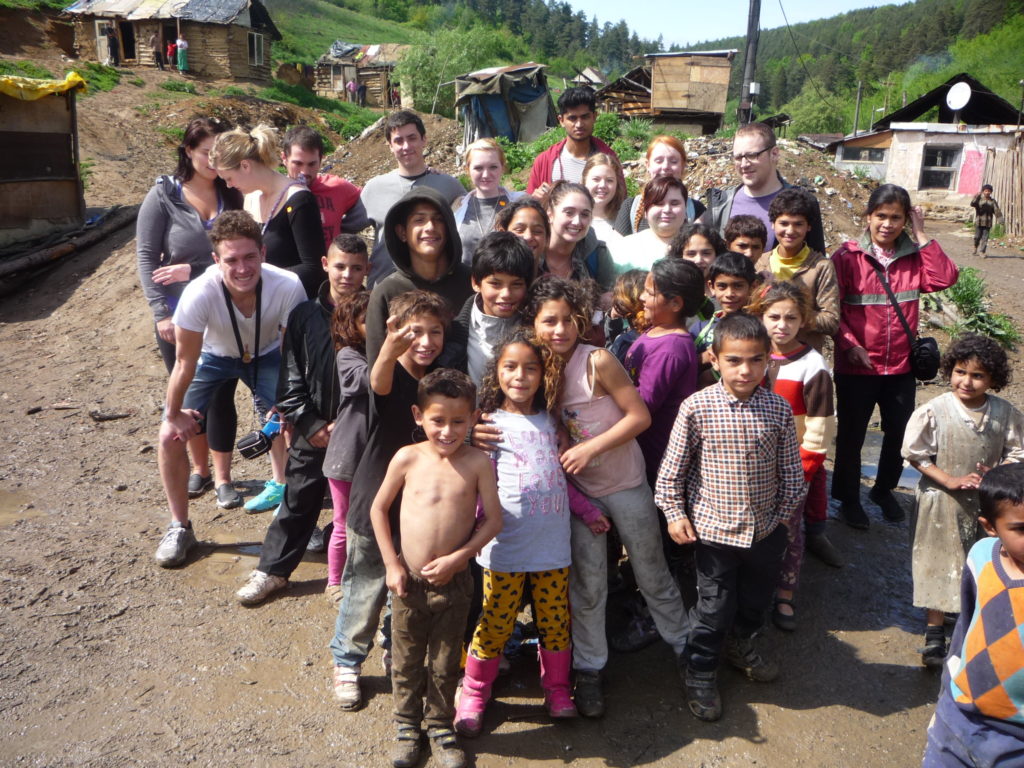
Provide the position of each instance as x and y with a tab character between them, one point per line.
756	158
794	259
503	268
747	235
228	325
986	209
308	398
979	718
415	337
734	429
577	113
406	138
424	244
439	480
341	210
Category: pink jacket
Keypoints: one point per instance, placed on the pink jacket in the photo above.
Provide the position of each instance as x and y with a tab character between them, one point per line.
866	316
545	161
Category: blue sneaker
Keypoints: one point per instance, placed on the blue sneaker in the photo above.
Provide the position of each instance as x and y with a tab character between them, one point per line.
269	497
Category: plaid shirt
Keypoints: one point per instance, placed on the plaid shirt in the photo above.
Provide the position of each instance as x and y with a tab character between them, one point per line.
734	464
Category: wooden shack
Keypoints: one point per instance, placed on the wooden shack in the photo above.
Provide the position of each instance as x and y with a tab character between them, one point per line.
40	186
685	90
369	65
228	39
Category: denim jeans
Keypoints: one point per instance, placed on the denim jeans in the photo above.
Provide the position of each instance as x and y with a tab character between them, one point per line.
636	521
363	591
213	370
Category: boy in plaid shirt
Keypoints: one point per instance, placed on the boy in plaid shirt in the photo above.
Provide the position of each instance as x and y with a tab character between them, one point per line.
730	478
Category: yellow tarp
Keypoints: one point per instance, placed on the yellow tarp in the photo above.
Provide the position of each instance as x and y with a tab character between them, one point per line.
30	88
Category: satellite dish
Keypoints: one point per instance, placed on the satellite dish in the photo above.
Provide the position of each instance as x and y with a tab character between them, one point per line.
958	96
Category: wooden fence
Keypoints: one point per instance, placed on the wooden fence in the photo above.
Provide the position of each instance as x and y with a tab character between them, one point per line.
1004	170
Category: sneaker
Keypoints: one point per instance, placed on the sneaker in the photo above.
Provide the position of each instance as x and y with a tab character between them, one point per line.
268	498
317	542
702	695
445	748
259	587
386	660
405	752
198	485
823	549
741	653
346	686
228	497
933	655
891	509
853	514
174	546
587	693
333	594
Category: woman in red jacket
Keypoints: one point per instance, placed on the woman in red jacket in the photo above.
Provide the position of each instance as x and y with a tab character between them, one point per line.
872	365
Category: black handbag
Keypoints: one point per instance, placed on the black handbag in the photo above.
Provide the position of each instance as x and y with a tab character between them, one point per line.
924	350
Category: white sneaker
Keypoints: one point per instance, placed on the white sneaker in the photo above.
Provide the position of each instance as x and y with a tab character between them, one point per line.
259	587
174	546
346	686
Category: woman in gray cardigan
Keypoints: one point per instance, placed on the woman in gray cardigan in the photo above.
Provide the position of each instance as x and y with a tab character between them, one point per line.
172	248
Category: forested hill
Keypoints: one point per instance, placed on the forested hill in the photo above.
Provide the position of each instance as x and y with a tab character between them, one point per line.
811	70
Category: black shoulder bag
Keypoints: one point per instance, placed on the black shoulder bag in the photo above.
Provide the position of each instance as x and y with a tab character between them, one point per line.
924	350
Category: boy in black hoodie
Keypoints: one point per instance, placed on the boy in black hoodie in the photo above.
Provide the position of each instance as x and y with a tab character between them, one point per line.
424	244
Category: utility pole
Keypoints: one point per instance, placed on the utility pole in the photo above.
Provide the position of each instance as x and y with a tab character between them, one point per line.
856	111
743	114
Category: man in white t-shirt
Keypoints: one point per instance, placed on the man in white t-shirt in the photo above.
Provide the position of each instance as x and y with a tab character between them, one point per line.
228	325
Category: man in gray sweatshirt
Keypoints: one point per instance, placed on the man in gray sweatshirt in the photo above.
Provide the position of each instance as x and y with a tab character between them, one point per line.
406	138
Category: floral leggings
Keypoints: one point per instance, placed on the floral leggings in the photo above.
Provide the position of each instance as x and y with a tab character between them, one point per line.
503	593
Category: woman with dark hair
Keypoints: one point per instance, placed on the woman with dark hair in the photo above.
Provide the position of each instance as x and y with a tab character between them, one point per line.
872	360
172	248
664	205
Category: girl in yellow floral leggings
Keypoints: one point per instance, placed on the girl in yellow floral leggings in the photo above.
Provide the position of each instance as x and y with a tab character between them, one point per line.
532	551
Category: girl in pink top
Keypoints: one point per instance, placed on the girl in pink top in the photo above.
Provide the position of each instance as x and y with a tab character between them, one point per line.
603	413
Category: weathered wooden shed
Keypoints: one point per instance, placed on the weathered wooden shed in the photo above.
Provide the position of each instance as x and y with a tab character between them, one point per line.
369	65
227	38
40	187
686	90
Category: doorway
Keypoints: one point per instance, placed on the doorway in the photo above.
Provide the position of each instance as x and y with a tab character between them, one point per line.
127	30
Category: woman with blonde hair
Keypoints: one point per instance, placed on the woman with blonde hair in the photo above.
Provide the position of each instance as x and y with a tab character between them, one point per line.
666	156
476	212
603	176
287	210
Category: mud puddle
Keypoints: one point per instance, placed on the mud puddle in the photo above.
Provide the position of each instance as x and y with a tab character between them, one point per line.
869	461
15	506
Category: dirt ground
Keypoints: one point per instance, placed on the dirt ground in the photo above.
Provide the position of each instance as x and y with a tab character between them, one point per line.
106	659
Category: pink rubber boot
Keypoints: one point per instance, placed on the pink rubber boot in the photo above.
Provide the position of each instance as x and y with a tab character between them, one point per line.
554	679
476	690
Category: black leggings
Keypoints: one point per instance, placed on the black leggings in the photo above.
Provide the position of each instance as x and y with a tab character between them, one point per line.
221	417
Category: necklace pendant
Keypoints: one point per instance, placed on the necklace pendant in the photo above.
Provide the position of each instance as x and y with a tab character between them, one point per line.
247	358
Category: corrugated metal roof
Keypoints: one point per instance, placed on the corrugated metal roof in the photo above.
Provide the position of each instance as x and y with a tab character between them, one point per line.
210	11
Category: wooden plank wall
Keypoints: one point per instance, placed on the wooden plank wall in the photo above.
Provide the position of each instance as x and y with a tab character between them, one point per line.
689	82
1004	170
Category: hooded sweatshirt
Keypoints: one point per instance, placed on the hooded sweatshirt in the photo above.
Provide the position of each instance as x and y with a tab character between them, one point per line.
453	284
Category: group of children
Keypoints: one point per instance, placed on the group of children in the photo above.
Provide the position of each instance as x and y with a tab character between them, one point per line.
494	425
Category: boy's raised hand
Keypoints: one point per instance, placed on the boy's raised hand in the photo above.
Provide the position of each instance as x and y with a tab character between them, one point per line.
397	340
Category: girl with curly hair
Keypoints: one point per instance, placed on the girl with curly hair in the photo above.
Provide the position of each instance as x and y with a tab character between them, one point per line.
952	441
532	551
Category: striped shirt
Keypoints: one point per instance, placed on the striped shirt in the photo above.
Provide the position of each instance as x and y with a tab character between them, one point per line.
732	465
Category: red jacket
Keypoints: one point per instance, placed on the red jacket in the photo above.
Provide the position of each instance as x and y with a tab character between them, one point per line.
866	316
545	161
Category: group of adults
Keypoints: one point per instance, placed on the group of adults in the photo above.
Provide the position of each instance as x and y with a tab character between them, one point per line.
299	213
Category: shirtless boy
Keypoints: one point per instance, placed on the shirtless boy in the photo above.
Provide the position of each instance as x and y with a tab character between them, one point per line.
431	588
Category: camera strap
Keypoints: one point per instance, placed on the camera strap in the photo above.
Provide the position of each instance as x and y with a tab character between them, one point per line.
245	356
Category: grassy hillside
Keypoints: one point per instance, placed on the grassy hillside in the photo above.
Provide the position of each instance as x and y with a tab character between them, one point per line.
310	26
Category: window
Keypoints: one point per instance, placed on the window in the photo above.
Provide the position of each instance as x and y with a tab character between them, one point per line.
938	167
255	49
863	154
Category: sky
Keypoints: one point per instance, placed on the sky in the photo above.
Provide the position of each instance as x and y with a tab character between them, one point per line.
689	22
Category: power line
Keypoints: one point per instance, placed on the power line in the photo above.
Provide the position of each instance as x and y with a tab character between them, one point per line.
800	58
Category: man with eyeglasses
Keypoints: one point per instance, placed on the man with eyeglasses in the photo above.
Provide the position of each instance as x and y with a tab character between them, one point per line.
577	114
756	159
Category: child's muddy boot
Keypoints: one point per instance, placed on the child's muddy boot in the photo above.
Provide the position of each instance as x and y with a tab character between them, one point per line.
554	679
476	691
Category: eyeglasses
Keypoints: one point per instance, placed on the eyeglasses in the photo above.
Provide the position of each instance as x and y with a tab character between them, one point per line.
750	157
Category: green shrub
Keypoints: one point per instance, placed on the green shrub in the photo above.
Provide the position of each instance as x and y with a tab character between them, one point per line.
24	69
639	130
179	86
969	297
98	77
343	118
998	230
174	134
85	171
607	127
138	82
232	90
